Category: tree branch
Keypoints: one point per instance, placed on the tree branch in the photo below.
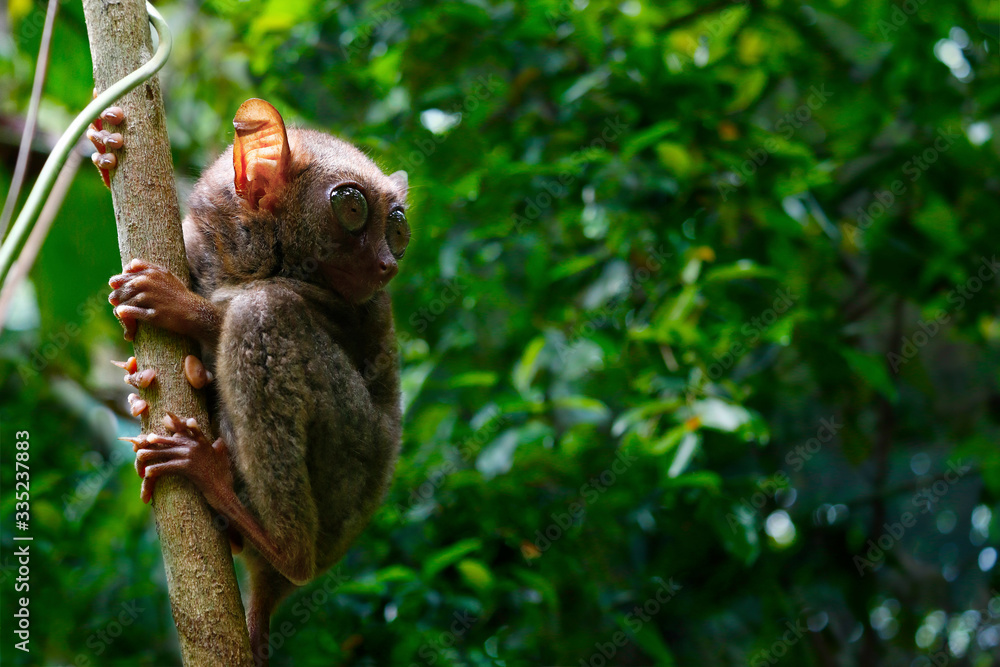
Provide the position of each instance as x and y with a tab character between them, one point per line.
202	585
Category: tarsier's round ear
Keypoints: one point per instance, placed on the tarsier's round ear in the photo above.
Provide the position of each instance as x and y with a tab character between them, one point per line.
260	154
401	180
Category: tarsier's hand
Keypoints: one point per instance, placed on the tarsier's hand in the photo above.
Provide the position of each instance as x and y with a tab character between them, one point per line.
150	293
105	141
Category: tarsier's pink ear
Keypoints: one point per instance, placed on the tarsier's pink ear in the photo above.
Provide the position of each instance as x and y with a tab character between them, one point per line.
260	153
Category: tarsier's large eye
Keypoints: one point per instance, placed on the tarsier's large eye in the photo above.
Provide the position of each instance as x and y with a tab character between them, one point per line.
397	233
351	208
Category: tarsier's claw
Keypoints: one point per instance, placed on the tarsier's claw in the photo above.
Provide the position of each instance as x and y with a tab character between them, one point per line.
137	405
195	372
137	441
129	366
113	115
95	138
128	315
146	492
104	161
173	423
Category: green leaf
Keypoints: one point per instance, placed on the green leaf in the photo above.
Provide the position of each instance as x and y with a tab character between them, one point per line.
685	451
395	573
449	555
642	139
649	640
527	366
872	368
583	403
476	574
474	379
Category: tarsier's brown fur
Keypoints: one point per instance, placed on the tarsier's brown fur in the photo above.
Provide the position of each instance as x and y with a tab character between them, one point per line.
292	318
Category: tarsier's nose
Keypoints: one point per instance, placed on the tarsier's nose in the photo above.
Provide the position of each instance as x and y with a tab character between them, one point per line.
387	269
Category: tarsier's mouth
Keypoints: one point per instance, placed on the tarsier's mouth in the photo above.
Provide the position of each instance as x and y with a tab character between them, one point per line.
355	286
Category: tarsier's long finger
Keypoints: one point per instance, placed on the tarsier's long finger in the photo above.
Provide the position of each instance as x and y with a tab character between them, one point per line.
174	424
160	451
137	405
150	441
128	315
157	469
142	379
129	290
187	428
113	115
96	136
195	372
138	441
147	457
128	273
104	161
105	141
129	366
146	492
135	377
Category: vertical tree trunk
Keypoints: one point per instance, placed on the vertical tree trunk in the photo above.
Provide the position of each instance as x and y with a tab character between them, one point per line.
203	591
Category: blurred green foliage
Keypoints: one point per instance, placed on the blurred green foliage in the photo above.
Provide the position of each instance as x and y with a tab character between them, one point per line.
699	309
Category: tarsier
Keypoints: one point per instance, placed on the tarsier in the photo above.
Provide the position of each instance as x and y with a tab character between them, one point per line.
291	237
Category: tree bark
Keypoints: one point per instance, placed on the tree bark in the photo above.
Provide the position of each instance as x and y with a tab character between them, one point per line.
204	596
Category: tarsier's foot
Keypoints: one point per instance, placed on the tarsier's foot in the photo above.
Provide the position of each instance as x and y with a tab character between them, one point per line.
106	141
139	380
196	373
186	451
150	293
